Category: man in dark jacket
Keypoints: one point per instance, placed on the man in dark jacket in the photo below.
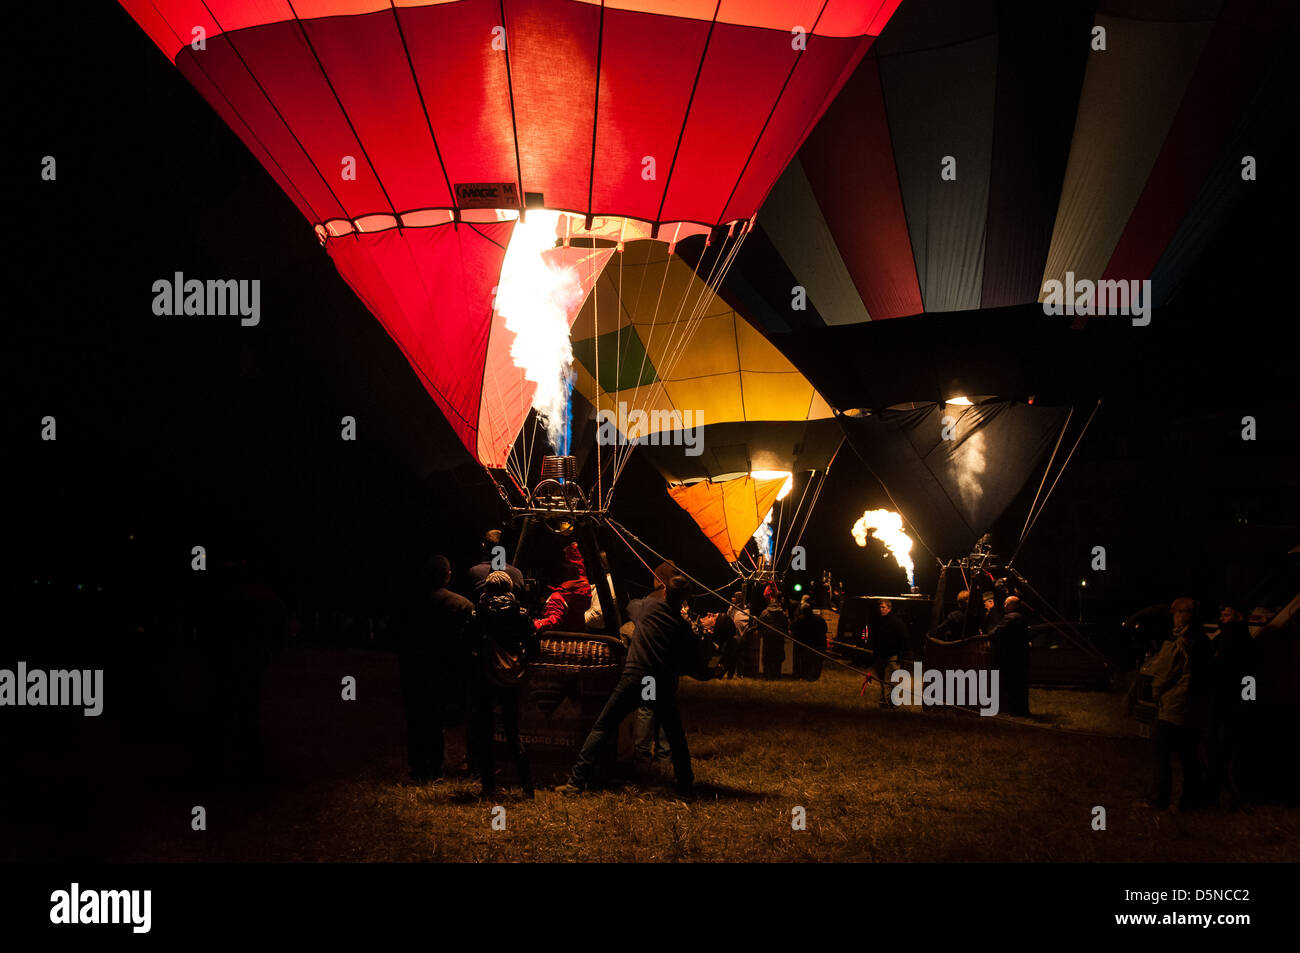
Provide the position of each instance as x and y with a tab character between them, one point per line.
886	639
992	614
662	648
1233	656
1011	654
430	629
478	573
950	629
809	633
745	615
774	627
733	647
724	631
504	641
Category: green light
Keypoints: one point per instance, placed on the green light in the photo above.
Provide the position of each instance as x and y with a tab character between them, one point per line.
798	587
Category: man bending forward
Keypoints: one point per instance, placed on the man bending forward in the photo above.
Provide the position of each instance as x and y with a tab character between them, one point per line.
660	652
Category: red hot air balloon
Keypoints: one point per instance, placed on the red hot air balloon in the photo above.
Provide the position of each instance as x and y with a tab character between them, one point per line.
417	135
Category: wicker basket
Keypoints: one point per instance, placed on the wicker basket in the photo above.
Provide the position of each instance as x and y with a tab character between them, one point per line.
578	653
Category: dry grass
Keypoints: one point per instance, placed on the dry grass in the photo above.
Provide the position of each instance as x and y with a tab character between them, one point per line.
876	785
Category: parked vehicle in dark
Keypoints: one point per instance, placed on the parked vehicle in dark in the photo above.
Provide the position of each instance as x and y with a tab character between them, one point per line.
1149	628
1273	605
1074	656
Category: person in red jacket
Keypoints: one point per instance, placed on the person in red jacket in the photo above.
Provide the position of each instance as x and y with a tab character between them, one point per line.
569	601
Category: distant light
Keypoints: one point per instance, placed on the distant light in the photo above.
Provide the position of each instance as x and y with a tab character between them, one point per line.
798	587
1084	583
960	401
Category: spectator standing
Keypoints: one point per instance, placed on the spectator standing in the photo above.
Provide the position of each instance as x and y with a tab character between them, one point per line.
504	643
886	639
430	626
809	633
1234	660
493	552
1181	672
1011	655
774	627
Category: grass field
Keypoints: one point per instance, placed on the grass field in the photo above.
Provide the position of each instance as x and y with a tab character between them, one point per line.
875	786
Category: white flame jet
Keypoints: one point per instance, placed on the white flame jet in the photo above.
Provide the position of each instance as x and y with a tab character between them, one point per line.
763	535
536	297
887	526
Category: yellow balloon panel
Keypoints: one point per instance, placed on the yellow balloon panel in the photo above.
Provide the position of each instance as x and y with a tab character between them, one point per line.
654	356
710	350
728	512
776	396
717	398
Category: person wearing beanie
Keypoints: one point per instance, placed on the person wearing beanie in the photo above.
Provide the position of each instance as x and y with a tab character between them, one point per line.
504	643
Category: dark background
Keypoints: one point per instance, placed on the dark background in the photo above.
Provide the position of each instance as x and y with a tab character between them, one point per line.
176	431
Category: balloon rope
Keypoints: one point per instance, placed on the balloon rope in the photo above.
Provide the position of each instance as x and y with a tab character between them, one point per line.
1083	644
1046	470
816	496
595	320
228	37
794	520
754	619
645	350
338	101
283	177
695	318
812	506
636	309
701	305
633	551
512	458
1059	472
606	461
780	515
618	334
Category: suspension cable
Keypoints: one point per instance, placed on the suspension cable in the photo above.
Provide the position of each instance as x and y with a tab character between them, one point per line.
753	617
1046	470
721	265
1054	482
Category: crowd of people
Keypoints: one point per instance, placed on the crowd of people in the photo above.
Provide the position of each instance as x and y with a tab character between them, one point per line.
1198	687
456	651
453	650
474	650
753	645
1203	708
1006	627
477	651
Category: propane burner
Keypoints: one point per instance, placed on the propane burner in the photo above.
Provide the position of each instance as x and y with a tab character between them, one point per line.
558	490
559	469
